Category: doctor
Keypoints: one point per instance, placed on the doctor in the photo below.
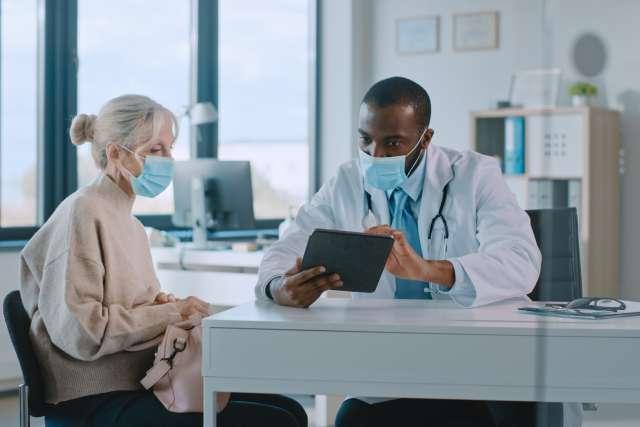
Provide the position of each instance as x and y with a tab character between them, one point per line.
459	231
459	234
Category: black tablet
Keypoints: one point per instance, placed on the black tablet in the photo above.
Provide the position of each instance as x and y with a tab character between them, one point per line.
358	258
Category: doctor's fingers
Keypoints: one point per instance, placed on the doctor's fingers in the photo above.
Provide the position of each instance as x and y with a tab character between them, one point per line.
307	293
295	269
324	283
380	230
400	241
305	276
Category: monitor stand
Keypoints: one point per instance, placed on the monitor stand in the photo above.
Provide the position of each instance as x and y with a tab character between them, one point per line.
201	220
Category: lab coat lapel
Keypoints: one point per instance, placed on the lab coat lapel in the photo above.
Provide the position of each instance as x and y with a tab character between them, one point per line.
439	173
379	204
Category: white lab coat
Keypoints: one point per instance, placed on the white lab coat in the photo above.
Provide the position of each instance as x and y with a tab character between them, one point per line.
489	234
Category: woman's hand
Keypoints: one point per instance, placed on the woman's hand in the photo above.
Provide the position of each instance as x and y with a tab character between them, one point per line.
163	298
192	305
403	261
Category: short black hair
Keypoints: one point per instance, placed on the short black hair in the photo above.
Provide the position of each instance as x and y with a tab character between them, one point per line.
400	90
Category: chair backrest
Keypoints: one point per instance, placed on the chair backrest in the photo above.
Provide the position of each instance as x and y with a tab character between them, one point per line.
556	231
18	323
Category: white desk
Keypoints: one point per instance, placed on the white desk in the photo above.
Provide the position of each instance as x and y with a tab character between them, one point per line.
224	261
224	278
490	353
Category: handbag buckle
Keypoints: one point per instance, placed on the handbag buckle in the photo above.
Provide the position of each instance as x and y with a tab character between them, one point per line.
179	344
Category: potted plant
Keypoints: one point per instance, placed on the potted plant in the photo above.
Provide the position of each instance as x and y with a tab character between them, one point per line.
581	93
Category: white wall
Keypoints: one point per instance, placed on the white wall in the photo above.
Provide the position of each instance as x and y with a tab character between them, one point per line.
620	88
458	82
344	78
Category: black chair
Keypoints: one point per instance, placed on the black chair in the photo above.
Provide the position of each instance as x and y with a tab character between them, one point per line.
558	237
556	231
32	390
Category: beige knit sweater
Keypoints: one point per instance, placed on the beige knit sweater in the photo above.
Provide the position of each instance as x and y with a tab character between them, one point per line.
88	284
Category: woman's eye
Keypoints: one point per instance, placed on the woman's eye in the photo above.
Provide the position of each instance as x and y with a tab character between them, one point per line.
393	143
365	140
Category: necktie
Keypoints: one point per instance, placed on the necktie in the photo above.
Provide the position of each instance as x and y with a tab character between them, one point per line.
403	220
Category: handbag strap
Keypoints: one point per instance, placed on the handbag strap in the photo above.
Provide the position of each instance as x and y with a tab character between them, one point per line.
164	365
155	374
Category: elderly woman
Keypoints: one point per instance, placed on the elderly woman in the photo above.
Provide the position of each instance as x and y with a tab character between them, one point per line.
89	285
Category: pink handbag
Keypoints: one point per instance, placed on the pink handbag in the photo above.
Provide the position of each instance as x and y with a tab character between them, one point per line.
176	374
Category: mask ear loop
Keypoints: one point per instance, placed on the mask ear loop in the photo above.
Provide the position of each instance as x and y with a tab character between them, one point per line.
417	161
139	156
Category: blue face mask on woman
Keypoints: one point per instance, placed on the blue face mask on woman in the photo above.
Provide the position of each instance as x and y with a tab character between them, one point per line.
387	173
157	174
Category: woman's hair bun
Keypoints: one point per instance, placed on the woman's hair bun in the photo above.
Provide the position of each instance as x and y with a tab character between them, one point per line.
82	129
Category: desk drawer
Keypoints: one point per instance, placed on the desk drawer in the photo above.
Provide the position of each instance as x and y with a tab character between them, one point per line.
456	359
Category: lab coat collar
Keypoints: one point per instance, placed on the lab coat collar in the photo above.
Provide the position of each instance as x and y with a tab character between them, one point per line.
440	164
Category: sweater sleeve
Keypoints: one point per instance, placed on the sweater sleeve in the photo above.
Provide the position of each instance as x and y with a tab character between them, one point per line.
81	324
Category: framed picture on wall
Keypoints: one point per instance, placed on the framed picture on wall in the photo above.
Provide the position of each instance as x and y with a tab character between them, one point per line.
418	35
475	31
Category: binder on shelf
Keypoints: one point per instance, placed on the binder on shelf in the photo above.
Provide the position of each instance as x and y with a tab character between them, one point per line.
548	194
532	197
514	146
560	196
574	198
545	194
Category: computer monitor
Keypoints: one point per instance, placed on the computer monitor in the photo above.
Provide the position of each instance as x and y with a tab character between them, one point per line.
212	194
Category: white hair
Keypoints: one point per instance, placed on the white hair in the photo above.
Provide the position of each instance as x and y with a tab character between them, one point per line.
128	120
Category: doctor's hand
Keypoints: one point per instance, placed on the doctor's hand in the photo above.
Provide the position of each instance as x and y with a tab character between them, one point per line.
403	261
303	288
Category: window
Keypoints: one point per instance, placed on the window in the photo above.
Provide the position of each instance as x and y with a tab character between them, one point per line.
265	59
18	113
127	46
264	97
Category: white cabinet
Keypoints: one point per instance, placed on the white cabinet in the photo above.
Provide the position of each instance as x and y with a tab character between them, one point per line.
571	160
555	144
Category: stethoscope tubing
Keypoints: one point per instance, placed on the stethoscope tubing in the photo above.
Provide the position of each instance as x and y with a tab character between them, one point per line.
434	220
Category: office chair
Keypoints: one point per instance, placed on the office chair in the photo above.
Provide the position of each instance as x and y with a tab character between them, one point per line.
556	231
558	237
32	390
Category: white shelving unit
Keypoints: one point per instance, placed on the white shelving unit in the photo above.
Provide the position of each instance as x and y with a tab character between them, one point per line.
575	150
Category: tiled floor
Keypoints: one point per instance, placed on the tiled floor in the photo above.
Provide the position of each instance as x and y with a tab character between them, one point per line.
606	416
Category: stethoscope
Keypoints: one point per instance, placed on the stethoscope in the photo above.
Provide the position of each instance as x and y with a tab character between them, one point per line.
434	220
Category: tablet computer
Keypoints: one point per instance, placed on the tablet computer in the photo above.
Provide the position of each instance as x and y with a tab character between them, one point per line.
358	258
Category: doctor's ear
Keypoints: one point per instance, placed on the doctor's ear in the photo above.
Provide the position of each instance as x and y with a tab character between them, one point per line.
427	137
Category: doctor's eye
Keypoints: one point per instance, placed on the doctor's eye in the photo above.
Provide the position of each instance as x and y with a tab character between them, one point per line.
394	143
365	140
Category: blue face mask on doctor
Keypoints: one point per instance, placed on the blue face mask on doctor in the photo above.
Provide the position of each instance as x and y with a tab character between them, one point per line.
387	173
157	174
